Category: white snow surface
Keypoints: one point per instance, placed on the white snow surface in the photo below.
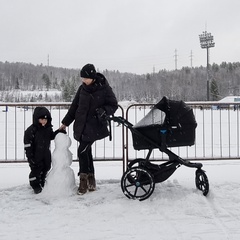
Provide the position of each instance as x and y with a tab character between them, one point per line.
176	209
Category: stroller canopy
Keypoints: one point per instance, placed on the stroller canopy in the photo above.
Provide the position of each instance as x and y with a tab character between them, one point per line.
172	113
177	113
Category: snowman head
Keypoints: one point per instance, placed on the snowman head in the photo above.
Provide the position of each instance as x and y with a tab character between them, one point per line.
62	141
61	156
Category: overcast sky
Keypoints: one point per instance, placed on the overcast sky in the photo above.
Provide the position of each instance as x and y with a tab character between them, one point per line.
127	35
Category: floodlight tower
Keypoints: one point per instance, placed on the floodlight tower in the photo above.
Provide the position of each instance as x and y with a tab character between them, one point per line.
206	41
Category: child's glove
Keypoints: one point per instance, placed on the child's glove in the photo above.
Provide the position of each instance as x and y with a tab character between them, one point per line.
62	131
101	113
59	131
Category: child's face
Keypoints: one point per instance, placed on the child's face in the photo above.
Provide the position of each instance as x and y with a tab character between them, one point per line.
42	121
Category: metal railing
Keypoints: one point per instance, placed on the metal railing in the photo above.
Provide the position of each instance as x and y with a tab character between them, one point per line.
217	133
16	117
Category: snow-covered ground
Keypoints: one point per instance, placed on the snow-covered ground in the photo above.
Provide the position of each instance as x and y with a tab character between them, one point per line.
175	210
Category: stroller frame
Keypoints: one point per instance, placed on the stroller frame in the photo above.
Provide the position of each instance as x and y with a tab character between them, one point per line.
138	181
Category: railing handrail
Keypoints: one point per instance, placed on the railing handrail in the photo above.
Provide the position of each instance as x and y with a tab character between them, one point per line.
210	103
35	104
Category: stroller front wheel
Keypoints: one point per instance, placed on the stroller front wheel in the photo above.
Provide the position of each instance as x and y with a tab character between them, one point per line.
201	181
137	183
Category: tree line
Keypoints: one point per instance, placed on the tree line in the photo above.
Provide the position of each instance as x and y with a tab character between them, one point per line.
187	84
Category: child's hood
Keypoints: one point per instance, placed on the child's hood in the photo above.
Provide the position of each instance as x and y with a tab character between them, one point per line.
41	112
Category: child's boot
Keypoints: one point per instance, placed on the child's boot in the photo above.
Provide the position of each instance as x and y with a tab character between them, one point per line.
43	179
35	183
83	186
37	190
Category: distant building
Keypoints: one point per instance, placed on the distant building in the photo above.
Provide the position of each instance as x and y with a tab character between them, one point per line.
230	99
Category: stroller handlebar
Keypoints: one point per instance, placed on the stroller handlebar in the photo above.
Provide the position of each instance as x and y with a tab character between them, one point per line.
120	120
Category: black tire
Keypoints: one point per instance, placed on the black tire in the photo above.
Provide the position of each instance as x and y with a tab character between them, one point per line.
137	183
201	181
138	162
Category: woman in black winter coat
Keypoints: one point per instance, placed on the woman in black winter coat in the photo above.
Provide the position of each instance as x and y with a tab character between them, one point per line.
93	100
37	138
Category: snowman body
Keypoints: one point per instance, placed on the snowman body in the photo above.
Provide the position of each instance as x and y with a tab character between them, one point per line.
61	180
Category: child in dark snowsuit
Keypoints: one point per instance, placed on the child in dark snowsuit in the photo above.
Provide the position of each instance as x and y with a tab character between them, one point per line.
37	138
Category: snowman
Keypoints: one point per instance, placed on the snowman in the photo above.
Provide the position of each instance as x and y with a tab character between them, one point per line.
61	180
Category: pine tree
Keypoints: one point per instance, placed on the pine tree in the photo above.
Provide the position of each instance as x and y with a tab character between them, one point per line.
66	92
46	81
214	90
17	84
72	88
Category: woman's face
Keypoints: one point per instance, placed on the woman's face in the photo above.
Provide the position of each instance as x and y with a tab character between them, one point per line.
42	121
87	81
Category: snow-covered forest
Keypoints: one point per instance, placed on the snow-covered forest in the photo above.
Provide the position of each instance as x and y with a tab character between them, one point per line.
25	82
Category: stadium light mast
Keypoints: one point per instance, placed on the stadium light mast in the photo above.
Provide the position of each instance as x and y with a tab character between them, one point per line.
206	41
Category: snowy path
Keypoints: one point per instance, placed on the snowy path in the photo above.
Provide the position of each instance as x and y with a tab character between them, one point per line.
176	210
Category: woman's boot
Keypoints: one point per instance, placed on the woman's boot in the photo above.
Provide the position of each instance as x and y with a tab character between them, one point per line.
91	182
83	186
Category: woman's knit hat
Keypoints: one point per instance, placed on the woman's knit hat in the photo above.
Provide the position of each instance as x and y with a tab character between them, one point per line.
88	71
43	117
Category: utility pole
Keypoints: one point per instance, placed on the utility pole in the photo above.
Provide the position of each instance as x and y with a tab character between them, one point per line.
191	59
206	41
153	69
175	55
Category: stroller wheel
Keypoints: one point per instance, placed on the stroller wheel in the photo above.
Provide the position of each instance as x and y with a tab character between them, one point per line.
137	183
201	181
138	162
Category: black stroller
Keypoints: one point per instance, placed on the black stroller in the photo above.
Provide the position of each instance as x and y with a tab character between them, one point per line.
169	124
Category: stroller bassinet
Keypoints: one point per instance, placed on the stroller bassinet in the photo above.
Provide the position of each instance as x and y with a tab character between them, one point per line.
169	119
